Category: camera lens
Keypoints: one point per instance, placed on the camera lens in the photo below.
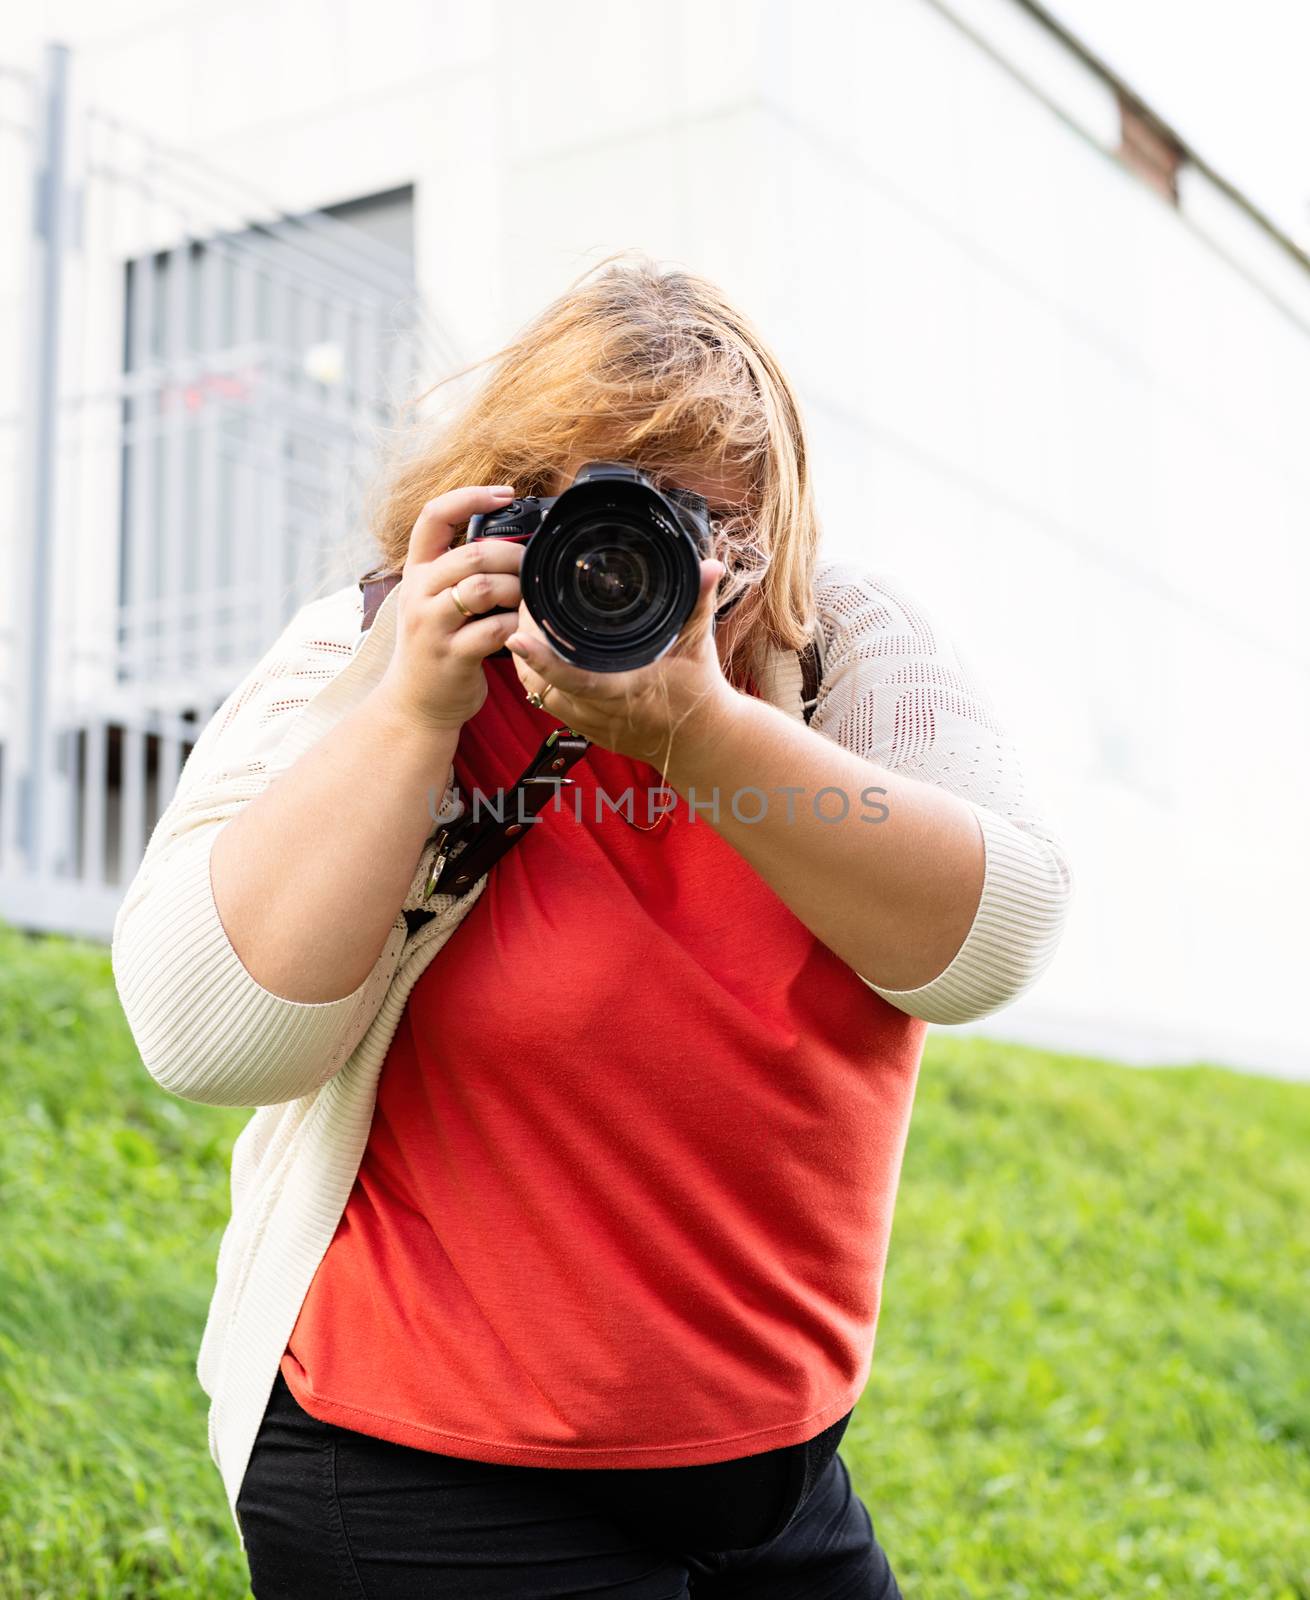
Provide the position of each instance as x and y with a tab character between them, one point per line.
612	575
611	584
612	581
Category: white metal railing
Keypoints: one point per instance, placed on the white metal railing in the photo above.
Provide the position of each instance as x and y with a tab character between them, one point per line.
204	380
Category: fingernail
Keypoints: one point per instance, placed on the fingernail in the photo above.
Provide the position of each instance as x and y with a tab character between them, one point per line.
502	488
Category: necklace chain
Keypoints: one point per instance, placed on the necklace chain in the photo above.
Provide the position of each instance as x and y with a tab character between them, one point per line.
637	826
663	817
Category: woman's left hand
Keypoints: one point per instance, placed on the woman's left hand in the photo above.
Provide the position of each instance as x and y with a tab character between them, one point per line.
635	713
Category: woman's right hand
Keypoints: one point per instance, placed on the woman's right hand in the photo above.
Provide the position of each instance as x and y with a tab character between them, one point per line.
435	678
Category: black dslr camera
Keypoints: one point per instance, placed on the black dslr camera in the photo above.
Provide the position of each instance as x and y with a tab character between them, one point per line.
612	566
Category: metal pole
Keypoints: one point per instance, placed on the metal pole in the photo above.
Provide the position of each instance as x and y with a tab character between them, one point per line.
49	240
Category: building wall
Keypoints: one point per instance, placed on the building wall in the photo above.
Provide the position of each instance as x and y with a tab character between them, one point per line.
1067	414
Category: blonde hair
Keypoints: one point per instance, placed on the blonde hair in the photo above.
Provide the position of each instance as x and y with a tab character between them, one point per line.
653	366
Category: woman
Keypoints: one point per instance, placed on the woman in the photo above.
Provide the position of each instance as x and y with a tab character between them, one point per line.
558	1235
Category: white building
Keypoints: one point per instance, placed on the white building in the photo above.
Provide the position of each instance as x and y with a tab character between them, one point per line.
1055	367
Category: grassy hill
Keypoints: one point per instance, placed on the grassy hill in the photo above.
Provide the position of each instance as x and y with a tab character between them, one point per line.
1091	1375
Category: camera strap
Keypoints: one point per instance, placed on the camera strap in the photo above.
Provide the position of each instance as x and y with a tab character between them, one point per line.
470	845
473	844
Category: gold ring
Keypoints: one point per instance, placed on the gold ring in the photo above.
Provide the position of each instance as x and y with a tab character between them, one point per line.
538	697
453	591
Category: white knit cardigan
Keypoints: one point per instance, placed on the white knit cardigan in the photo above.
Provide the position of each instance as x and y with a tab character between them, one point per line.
893	689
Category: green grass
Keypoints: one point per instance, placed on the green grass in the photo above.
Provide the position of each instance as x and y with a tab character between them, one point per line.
1090	1377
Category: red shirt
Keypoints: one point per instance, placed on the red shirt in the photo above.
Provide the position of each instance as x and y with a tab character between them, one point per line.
628	1188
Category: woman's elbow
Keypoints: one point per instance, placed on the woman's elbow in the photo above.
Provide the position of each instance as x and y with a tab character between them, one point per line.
205	1029
203	1039
233	1077
1014	937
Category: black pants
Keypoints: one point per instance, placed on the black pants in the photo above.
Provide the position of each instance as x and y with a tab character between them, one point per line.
331	1514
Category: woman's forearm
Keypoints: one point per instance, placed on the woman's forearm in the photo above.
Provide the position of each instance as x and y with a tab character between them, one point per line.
894	898
308	878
